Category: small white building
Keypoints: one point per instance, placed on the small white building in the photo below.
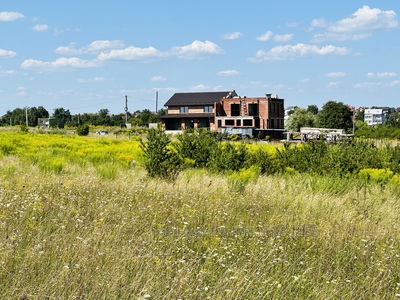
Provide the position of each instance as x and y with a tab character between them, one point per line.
374	116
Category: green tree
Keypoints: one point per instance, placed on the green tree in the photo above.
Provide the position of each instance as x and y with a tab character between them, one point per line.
360	114
63	115
300	118
35	113
335	115
160	159
144	117
313	109
393	120
15	117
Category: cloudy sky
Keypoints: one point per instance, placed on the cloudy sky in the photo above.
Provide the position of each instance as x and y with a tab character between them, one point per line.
88	55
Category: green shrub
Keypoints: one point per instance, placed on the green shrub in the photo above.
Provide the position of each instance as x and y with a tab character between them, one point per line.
196	146
24	128
160	160
83	130
228	157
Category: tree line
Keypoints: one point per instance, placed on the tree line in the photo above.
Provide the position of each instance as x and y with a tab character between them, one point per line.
29	116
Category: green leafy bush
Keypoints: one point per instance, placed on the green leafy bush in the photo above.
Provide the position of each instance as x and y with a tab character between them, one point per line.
228	157
83	130
196	146
160	160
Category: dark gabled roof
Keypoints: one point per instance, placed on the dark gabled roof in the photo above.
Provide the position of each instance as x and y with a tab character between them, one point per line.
204	98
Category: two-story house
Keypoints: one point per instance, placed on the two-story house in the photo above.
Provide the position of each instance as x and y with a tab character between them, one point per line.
224	111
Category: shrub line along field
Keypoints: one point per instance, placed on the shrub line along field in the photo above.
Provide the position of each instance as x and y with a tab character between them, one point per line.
79	220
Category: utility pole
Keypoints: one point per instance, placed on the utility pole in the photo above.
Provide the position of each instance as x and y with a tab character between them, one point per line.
126	109
26	115
156	101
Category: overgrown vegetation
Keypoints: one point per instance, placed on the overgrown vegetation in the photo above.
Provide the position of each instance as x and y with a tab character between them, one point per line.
203	150
94	226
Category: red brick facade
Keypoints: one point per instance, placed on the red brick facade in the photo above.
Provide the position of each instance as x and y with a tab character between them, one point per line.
261	112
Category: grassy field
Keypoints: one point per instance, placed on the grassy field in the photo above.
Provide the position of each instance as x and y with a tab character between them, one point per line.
79	220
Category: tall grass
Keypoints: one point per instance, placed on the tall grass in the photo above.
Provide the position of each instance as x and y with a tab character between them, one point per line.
83	234
65	236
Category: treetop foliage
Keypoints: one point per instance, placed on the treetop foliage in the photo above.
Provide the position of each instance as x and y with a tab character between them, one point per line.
101	118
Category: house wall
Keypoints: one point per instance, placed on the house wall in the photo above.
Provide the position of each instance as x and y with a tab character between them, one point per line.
270	112
194	109
173	110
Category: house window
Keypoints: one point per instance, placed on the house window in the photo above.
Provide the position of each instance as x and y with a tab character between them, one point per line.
253	109
235	109
183	109
229	122
247	122
238	122
208	108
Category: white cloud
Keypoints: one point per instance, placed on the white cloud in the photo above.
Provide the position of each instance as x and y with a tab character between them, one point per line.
304	80
59	64
228	73
394	83
336	74
283	37
382	75
293	24
197	49
131	53
319	23
67	50
7	16
200	87
40	27
231	36
7	53
158	78
94	47
332	84
299	50
265	37
103	45
94	79
8	73
360	25
362	85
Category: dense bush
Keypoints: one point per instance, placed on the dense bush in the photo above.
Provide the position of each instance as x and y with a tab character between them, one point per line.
160	159
228	157
197	146
83	130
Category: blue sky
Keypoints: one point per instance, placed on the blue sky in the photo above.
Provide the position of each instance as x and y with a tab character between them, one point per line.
87	55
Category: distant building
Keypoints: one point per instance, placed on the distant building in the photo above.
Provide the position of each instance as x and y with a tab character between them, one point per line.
374	116
48	123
